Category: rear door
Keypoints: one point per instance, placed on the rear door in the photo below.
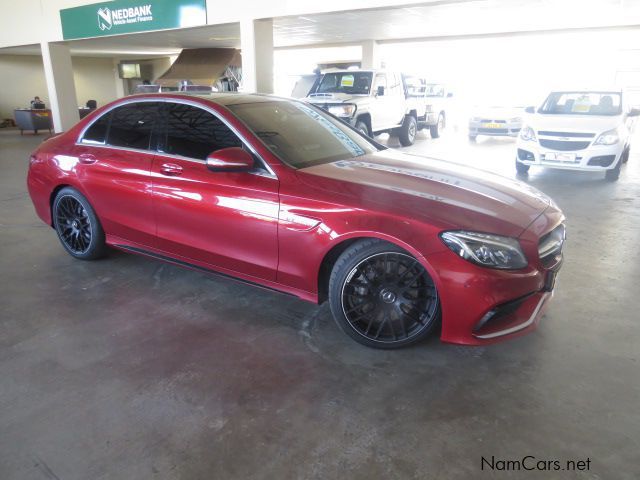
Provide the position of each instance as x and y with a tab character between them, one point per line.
226	219
114	166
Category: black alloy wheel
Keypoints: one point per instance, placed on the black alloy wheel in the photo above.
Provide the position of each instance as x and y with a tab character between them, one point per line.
387	299
77	226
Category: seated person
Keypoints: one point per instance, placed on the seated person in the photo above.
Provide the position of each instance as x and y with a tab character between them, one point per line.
37	104
605	106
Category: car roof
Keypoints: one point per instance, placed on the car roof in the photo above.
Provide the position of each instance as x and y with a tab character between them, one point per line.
227	98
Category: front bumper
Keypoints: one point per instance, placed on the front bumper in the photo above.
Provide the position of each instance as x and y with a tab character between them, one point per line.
494	128
482	305
592	158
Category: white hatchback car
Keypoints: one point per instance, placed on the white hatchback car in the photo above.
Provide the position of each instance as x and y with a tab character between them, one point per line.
580	130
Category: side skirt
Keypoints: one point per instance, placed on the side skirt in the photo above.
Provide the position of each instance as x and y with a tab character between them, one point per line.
198	268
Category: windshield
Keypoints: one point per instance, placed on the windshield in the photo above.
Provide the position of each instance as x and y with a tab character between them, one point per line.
301	135
582	103
353	83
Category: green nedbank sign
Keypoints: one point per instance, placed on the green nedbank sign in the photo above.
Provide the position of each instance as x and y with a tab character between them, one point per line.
127	16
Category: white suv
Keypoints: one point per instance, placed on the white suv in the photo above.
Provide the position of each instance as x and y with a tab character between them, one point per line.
579	130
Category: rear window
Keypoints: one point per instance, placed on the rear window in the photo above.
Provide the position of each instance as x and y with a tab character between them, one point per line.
132	125
96	134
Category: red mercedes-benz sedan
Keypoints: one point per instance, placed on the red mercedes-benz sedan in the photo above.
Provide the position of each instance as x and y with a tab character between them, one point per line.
281	194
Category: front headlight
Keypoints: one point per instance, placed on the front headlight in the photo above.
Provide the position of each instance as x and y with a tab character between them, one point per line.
346	110
476	119
527	134
487	250
608	138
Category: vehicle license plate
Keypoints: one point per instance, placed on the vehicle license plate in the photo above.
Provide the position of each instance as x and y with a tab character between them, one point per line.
492	125
560	157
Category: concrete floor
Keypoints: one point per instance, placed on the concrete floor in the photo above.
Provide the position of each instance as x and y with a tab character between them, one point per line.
128	368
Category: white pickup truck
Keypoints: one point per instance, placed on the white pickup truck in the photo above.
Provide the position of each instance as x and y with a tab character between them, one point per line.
378	101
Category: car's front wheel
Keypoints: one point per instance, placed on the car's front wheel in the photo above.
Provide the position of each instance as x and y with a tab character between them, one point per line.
521	168
77	225
381	296
613	174
363	128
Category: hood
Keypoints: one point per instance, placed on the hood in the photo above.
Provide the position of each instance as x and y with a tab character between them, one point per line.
573	123
333	97
444	194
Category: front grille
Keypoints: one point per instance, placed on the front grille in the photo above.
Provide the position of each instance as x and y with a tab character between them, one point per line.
484	120
550	246
548	133
562	145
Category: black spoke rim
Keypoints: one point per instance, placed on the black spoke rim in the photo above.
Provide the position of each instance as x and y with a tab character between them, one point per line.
389	297
73	224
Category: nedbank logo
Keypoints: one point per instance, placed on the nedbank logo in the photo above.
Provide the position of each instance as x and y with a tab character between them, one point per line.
107	18
104	19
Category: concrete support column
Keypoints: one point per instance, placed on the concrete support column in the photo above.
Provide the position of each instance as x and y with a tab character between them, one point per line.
58	73
116	78
256	43
370	56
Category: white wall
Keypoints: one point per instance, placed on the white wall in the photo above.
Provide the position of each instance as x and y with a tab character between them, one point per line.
23	78
94	79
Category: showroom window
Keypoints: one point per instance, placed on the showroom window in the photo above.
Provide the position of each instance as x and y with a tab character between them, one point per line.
96	134
132	125
195	133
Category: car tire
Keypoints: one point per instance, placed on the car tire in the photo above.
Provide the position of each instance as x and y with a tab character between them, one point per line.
436	129
613	174
625	155
472	138
77	225
408	130
381	296
362	127
521	168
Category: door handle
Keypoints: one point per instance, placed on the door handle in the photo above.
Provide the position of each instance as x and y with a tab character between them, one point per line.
87	158
171	169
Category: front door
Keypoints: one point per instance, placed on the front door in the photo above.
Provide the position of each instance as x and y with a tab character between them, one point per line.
225	219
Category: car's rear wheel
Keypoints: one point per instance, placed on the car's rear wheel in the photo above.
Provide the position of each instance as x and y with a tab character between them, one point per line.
522	168
381	296
77	225
436	129
408	130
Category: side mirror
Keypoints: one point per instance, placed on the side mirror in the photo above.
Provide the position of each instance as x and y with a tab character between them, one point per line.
634	112
380	91
530	109
449	95
233	159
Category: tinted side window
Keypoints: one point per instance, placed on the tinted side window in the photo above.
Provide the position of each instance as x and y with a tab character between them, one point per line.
132	125
97	132
195	133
